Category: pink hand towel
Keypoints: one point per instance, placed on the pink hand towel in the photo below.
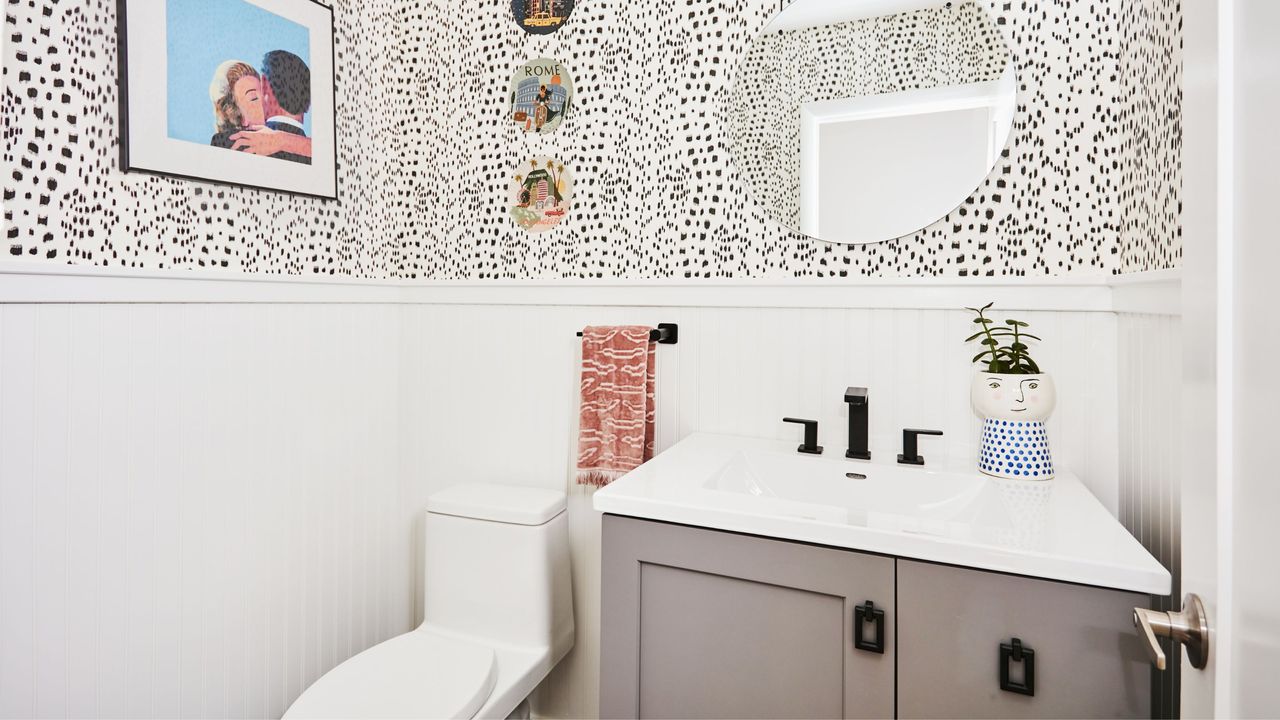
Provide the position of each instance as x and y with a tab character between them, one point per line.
615	431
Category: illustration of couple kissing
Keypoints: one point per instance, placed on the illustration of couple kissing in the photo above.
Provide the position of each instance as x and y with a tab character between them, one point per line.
261	111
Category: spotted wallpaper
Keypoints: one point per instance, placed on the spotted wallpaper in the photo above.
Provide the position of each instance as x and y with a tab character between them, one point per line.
1150	119
66	201
1090	184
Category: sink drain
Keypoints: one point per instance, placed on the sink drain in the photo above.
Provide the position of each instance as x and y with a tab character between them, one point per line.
855	476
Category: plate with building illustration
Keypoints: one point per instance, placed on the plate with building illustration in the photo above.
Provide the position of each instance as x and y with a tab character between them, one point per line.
541	96
540	194
541	17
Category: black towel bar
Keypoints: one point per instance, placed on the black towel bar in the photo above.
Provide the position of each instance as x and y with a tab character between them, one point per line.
666	334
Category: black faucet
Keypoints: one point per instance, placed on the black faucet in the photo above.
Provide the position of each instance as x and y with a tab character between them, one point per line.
910	452
859	404
810	445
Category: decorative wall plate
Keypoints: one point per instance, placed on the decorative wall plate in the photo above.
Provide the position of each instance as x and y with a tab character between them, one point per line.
541	95
540	194
541	17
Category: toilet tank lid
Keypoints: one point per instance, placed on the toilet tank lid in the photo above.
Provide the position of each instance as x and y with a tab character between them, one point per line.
498	503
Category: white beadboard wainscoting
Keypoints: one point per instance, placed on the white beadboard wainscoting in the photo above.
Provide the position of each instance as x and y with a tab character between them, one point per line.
1151	457
211	491
490	395
1150	376
199	505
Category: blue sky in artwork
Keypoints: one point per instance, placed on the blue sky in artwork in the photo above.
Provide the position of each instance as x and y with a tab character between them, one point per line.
202	34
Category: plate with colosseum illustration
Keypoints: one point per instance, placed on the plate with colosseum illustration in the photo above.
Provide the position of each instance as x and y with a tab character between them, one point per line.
541	96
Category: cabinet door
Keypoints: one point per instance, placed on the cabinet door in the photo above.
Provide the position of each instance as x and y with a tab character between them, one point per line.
1087	660
704	624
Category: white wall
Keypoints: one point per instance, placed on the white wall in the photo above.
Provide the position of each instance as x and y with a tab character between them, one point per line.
908	190
490	395
1151	458
1202	154
199	510
1249	382
1152	461
205	506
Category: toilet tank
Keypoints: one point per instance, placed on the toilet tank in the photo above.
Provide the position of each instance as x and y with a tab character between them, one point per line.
497	565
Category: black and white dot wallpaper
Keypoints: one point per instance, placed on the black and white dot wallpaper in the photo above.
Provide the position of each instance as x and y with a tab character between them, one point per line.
1090	185
1151	125
66	201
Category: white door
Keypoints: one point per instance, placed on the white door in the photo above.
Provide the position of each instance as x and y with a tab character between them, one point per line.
1231	490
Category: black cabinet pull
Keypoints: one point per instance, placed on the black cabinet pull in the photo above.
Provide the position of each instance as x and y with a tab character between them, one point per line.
1016	652
863	614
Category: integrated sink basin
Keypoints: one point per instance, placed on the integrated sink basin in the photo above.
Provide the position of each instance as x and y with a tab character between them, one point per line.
1055	530
851	493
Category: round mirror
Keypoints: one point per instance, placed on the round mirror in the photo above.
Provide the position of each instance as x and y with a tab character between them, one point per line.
860	121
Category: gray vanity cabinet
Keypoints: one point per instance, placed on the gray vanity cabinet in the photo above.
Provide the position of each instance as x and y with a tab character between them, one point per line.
705	624
699	623
1087	660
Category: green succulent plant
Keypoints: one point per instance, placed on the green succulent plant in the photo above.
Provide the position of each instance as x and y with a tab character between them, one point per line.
1010	358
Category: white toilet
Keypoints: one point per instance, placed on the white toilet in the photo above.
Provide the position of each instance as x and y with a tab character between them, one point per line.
499	615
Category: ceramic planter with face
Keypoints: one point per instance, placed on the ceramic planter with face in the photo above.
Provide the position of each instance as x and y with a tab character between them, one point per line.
1015	441
1014	397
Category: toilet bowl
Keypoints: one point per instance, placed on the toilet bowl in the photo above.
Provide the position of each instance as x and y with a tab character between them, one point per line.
498	615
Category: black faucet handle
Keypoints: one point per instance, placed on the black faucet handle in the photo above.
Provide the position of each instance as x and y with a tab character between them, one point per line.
856	395
810	446
910	446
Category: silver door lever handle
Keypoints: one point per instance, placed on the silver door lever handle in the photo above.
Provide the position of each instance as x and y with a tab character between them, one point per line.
1190	627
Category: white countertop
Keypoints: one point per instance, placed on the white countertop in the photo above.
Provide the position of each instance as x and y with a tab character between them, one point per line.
1055	530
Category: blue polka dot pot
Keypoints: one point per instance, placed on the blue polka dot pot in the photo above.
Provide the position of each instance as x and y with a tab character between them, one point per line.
1016	449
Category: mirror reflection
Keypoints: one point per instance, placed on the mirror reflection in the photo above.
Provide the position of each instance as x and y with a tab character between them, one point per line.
859	121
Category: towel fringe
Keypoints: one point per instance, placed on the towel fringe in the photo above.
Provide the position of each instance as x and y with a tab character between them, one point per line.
598	478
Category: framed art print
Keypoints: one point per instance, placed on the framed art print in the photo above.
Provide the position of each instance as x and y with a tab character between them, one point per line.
230	91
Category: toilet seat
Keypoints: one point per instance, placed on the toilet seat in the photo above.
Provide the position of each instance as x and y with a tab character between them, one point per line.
420	674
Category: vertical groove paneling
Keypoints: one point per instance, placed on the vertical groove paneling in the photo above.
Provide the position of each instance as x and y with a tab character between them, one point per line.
17	512
205	507
85	392
137	421
474	377
51	499
1149	358
178	485
170	368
